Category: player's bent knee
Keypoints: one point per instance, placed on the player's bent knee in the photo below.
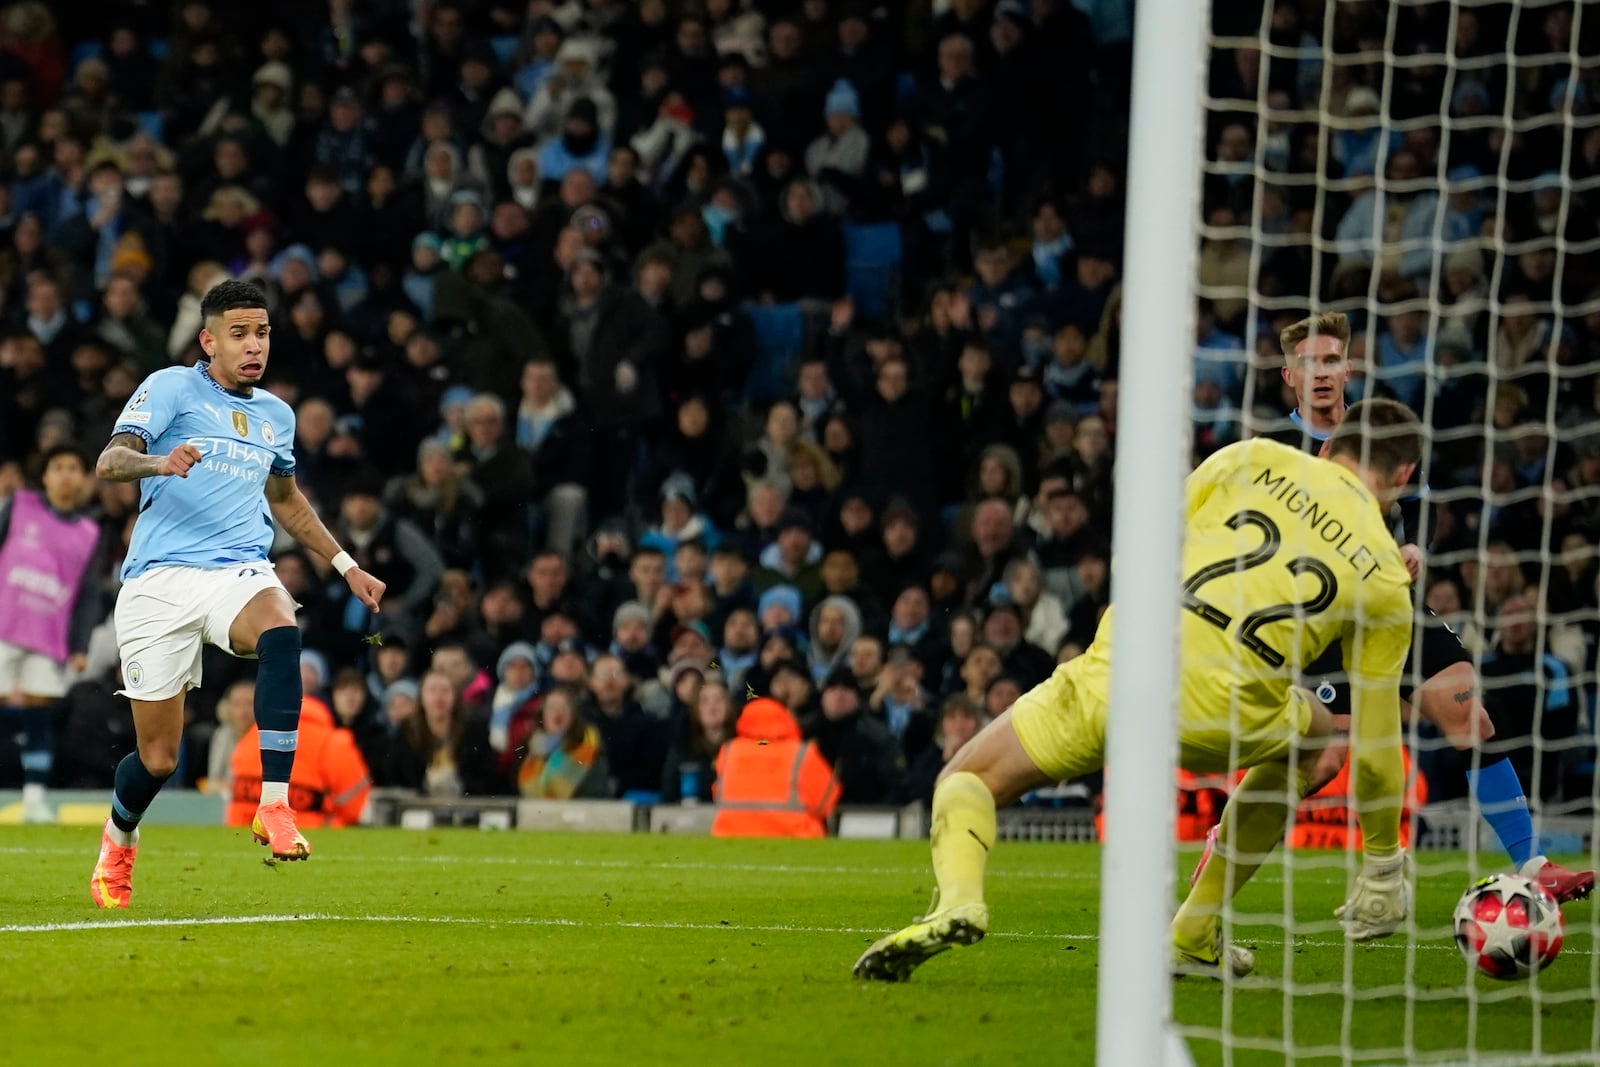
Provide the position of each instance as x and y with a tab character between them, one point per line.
159	758
1472	730
268	610
280	640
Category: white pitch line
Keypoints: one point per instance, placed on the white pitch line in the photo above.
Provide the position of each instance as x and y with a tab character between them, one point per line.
753	928
461	920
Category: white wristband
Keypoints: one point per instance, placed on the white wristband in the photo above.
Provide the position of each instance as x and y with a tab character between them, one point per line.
344	563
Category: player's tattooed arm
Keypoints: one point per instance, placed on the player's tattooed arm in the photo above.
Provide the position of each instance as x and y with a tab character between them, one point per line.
124	460
296	515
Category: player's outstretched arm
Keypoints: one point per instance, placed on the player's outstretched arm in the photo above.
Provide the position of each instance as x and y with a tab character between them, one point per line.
1380	900
295	514
1378	658
124	460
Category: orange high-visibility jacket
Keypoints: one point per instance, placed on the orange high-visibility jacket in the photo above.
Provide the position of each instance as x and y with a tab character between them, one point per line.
769	782
1324	819
1200	802
329	784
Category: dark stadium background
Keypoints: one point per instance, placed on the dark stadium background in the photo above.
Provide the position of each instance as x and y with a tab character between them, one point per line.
682	319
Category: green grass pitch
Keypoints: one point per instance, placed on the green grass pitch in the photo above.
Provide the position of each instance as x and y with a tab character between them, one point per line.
403	947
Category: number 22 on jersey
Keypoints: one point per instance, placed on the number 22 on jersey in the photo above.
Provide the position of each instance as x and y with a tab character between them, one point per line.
1248	633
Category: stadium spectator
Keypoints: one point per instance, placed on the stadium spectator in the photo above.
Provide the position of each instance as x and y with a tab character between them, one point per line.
635	742
437	747
329	783
357	712
959	721
689	768
235	717
1530	697
409	561
514	707
863	753
769	782
565	756
503	473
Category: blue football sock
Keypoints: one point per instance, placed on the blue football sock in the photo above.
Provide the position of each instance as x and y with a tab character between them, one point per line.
135	788
278	700
1499	795
38	754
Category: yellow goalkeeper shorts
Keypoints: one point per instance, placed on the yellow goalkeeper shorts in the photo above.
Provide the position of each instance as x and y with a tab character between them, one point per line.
1061	724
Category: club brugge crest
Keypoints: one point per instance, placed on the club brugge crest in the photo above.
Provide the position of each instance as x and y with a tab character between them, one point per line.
135	675
241	425
267	434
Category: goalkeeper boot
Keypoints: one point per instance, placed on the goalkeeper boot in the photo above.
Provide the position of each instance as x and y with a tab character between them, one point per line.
111	884
1209	962
274	827
893	958
1559	882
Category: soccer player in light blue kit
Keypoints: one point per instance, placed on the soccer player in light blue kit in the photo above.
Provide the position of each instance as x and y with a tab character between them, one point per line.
215	461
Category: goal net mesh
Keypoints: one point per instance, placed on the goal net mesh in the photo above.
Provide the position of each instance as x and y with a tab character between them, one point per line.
1432	169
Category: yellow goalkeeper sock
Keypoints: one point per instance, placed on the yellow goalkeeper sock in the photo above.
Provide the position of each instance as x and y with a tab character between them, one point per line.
1252	825
963	833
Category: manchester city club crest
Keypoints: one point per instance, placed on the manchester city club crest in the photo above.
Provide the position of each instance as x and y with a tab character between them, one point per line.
241	424
267	434
135	675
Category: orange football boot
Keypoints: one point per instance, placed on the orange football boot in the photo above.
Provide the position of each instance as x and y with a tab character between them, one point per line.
111	885
274	827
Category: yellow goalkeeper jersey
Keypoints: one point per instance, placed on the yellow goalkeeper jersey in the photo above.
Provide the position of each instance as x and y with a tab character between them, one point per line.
1284	554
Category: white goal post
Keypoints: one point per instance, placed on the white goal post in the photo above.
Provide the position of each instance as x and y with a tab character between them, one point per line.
1135	995
1431	168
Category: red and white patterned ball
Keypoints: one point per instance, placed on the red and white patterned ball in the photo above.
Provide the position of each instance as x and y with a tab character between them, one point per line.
1508	926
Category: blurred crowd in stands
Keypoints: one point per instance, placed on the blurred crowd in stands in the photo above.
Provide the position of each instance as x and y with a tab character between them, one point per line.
659	355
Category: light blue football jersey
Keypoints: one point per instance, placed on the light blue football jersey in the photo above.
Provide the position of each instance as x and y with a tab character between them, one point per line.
218	515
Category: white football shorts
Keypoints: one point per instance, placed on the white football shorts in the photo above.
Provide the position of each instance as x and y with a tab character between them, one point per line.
166	616
30	673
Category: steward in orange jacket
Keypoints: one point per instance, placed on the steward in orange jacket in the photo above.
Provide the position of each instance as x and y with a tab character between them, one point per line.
1201	799
769	782
329	783
1324	819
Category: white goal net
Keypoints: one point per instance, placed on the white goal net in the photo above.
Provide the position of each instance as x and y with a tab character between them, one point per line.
1432	170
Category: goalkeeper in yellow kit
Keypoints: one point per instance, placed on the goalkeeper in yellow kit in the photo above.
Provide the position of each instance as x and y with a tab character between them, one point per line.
1285	554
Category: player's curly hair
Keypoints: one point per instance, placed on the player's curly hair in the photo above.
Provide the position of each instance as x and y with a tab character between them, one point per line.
231	295
1327	324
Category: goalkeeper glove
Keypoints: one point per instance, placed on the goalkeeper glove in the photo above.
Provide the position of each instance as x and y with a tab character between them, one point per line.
1381	899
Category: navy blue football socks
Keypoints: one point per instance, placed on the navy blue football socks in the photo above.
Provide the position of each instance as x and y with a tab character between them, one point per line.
135	788
278	700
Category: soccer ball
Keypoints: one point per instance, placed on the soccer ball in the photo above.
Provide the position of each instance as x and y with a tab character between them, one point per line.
1508	926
